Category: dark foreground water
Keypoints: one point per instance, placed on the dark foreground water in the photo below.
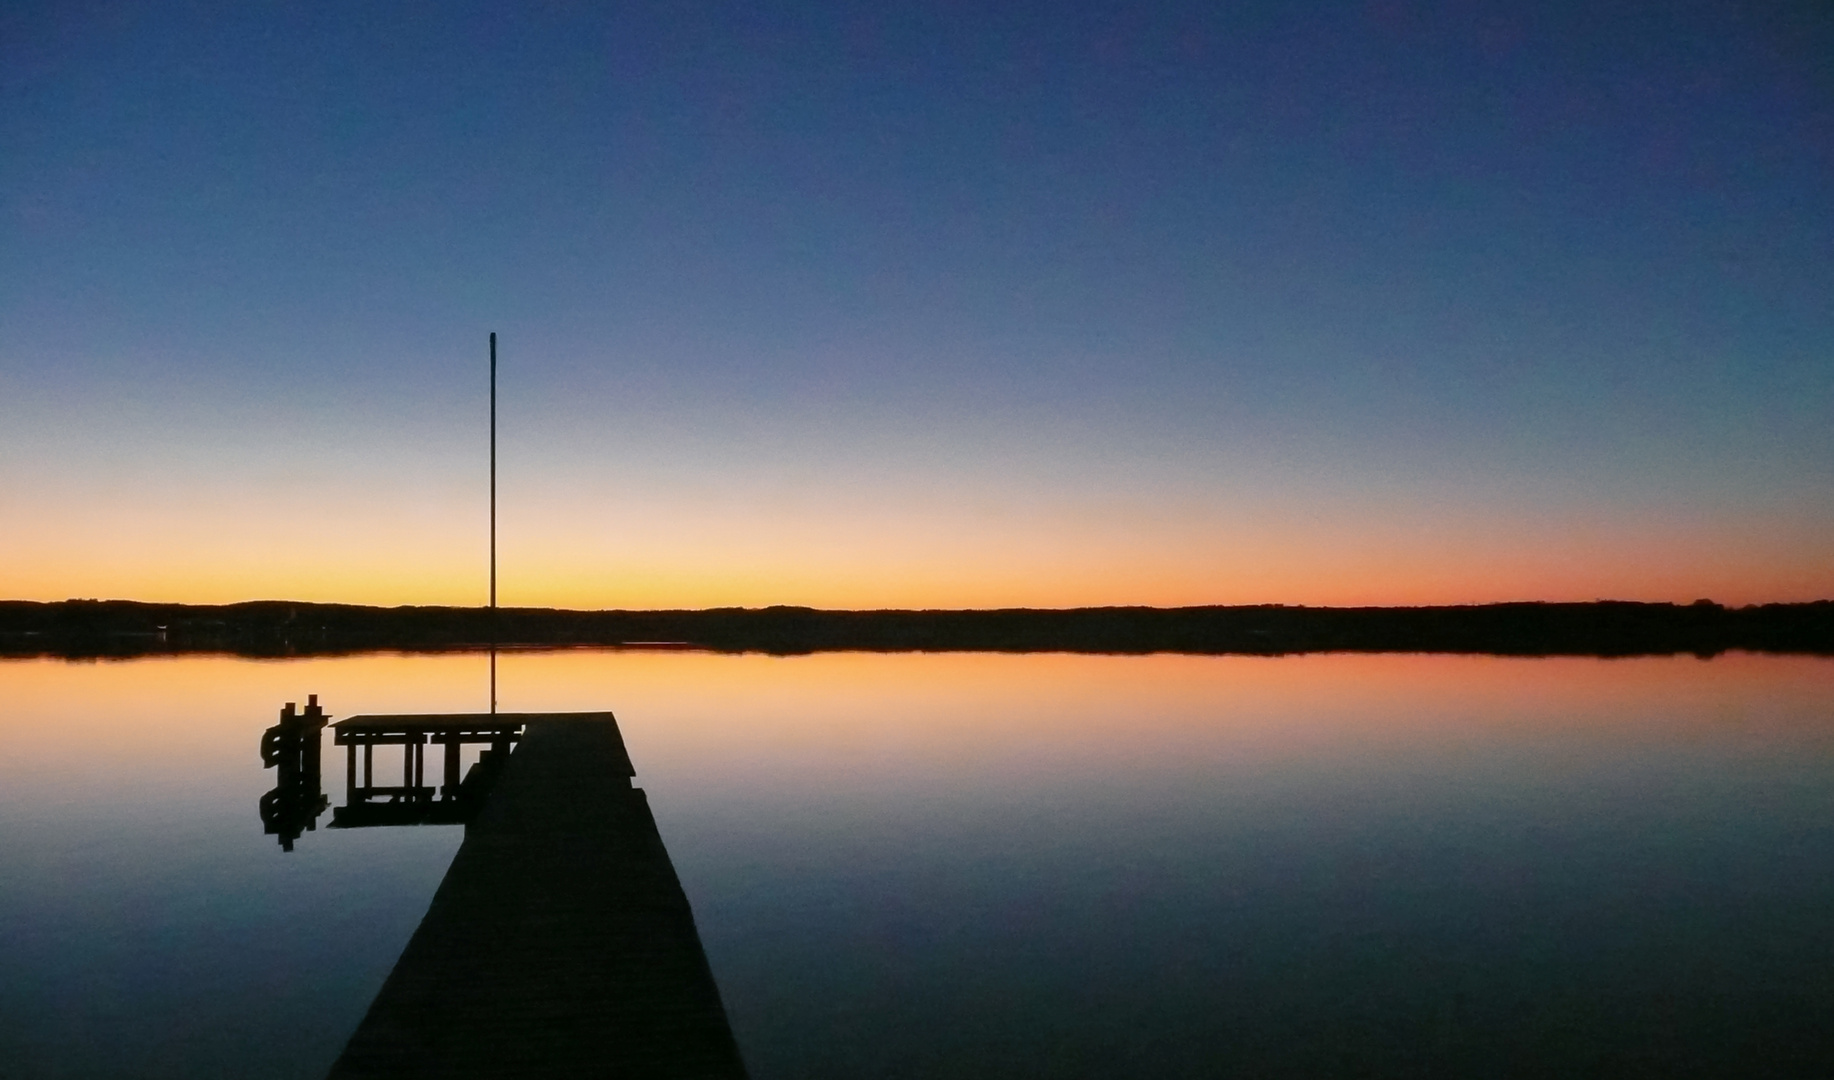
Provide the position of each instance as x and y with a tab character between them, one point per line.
964	865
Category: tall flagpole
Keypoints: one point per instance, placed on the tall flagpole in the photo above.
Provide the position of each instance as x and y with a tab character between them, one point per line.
493	523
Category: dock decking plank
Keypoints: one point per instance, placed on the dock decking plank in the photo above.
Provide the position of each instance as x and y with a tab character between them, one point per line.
560	942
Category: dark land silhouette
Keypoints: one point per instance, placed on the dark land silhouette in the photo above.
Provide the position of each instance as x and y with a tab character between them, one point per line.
271	628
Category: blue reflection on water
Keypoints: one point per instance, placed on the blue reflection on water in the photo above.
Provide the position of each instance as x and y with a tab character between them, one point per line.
1662	913
196	948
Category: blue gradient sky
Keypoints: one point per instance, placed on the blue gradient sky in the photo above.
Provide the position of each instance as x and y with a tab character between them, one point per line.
935	305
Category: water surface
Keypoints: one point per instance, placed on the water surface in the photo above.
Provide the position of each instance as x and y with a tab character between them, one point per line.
1044	865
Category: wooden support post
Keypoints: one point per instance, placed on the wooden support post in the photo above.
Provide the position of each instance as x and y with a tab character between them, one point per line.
452	766
369	767
350	774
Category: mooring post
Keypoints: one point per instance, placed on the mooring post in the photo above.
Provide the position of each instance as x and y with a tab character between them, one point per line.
313	724
452	766
287	748
291	747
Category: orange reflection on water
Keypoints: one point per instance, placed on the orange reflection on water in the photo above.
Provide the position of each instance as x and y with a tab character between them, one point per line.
853	720
853	714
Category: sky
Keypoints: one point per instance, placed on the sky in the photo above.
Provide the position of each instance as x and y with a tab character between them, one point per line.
918	305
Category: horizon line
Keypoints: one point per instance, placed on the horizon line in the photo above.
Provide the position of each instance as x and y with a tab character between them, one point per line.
1703	602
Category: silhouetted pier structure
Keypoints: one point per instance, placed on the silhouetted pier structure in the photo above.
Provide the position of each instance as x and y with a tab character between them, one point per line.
560	942
291	748
413	801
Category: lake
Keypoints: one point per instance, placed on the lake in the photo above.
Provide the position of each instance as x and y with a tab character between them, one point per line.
1041	865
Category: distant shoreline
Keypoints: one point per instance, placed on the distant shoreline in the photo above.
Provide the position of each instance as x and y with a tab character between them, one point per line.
278	628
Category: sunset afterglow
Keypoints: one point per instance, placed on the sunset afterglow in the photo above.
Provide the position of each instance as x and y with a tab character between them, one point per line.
1038	306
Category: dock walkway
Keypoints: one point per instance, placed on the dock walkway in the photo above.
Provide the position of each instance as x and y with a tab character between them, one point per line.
560	942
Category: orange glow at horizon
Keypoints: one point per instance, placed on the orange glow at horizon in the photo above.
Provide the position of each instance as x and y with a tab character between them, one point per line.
1002	579
849	552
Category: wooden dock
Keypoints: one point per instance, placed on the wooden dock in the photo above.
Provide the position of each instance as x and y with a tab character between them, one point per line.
414	801
560	942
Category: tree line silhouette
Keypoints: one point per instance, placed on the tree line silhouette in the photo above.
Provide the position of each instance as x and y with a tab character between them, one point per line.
99	628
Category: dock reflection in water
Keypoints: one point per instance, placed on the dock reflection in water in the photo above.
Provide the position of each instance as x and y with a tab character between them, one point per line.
560	941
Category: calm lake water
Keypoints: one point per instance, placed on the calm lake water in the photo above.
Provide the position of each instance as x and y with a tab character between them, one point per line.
956	865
